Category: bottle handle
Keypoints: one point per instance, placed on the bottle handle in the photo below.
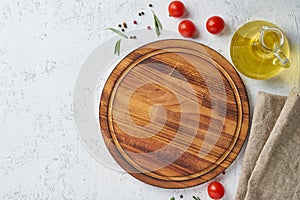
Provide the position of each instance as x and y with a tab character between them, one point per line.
282	58
276	50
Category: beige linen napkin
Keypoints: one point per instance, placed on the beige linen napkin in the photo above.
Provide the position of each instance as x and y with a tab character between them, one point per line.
271	165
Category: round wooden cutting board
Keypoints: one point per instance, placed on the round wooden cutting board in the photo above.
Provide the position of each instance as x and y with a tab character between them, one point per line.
174	113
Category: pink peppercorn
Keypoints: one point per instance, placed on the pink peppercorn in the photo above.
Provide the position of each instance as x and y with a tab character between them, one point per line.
149	27
135	22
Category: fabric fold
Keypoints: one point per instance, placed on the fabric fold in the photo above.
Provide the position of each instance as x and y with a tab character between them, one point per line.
271	165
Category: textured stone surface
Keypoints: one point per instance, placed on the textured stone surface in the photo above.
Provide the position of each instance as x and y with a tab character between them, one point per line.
43	44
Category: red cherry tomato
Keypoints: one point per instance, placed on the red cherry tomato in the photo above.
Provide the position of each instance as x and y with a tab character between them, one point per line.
215	190
176	9
187	28
215	24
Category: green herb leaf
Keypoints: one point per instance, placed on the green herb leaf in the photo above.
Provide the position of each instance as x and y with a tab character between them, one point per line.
118	32
157	24
118	47
172	198
157	29
196	198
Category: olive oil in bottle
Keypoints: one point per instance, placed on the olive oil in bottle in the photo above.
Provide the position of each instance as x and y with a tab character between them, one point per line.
250	57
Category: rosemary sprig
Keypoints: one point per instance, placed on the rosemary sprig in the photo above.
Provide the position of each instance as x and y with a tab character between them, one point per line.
196	198
118	47
118	32
157	24
118	43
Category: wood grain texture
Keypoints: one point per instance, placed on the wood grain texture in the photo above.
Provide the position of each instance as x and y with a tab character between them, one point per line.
174	113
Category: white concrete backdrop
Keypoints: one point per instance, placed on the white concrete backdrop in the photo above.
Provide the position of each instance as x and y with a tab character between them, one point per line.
43	44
